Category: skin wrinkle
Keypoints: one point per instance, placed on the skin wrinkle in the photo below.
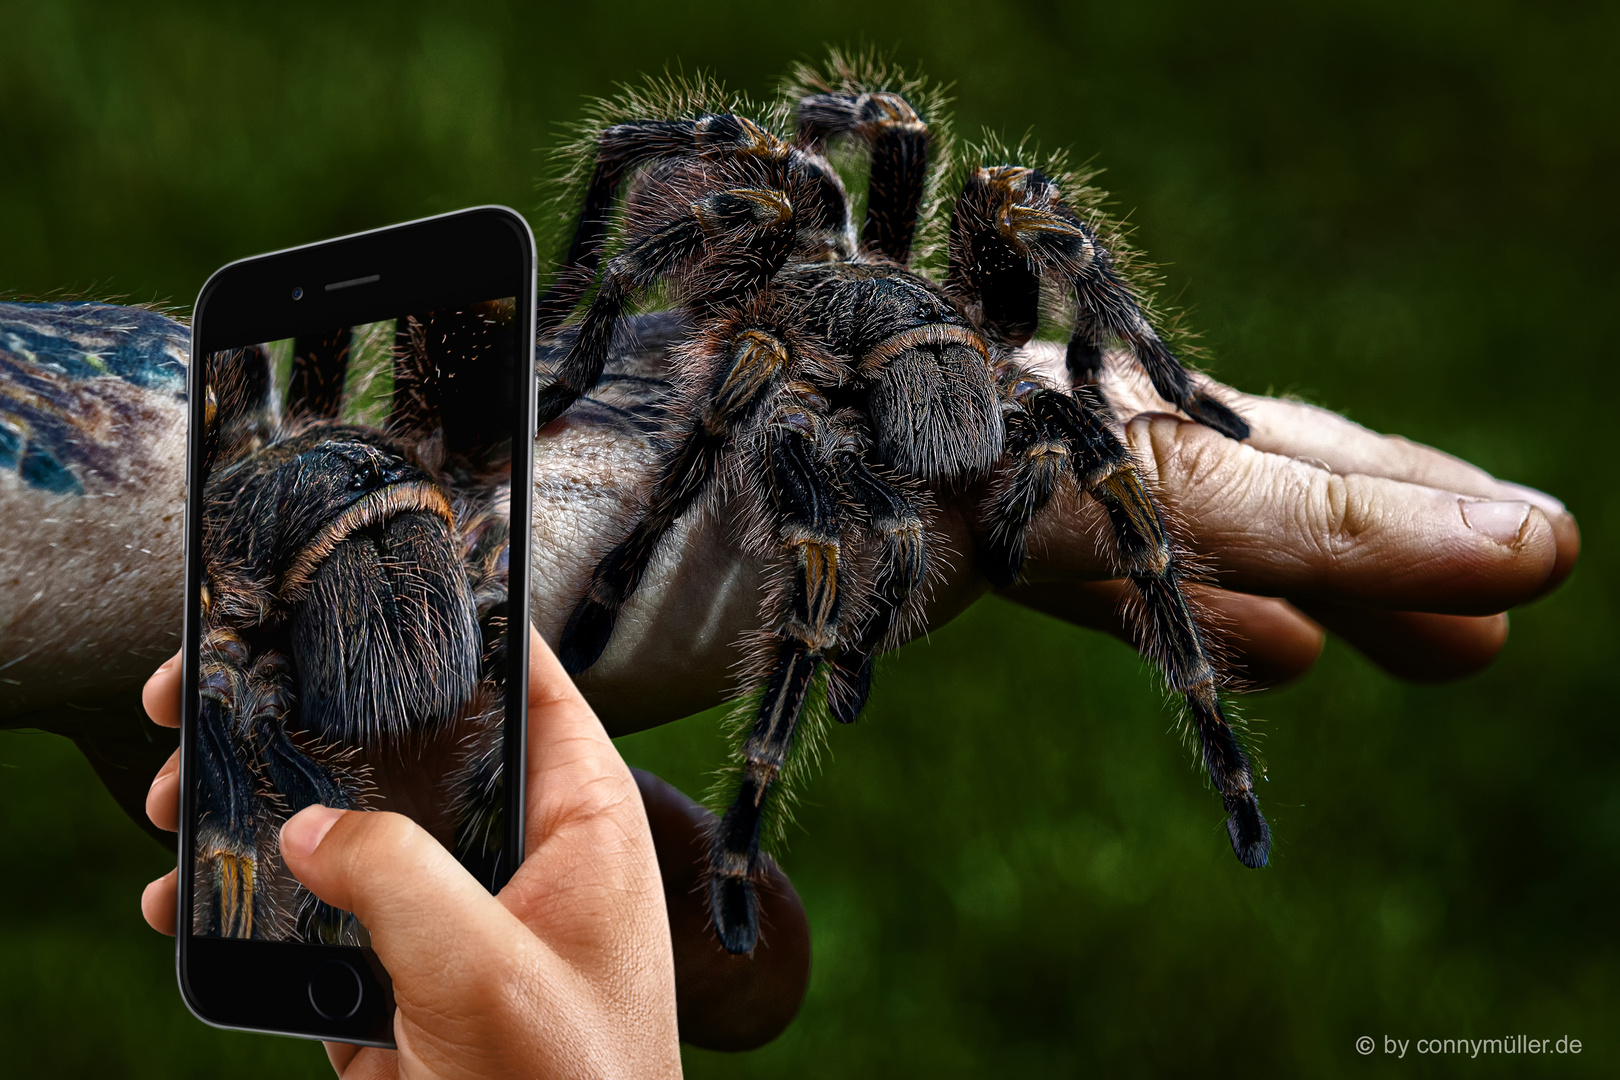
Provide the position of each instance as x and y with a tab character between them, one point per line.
613	452
657	669
1350	536
1199	459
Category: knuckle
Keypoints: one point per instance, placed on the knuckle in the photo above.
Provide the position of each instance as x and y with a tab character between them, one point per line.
1192	466
371	836
1339	514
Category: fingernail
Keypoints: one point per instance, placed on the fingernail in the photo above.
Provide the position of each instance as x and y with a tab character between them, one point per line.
158	779
306	829
1538	499
1501	521
169	663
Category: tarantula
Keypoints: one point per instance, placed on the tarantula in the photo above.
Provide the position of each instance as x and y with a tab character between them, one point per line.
829	393
353	604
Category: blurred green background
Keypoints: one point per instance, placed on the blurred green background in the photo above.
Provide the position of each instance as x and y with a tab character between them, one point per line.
1402	210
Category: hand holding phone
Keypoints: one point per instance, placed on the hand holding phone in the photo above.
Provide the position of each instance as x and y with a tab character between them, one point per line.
357	521
567	973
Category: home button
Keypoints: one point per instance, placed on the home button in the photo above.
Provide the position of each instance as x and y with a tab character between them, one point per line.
335	990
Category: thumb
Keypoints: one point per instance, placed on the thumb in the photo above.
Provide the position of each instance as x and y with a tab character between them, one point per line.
433	926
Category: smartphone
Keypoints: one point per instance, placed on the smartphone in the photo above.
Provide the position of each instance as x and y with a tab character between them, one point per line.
357	533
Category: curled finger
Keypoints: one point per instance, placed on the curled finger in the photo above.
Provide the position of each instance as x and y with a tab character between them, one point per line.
1263	642
163	797
1417	646
160	903
161	694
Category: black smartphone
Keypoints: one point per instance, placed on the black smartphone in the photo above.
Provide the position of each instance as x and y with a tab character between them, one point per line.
357	536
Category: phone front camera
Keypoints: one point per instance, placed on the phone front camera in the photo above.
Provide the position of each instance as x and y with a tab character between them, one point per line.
298	293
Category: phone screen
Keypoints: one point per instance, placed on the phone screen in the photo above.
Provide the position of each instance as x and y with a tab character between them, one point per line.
354	547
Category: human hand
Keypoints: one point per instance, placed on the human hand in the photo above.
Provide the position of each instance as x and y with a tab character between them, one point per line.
567	972
1412	555
724	1002
1403	577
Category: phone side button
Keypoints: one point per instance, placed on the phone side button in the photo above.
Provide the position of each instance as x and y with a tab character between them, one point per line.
334	990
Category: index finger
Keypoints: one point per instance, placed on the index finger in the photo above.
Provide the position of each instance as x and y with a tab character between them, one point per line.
1275	526
573	766
1320	436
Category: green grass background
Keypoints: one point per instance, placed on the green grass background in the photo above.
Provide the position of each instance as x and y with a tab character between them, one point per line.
1403	210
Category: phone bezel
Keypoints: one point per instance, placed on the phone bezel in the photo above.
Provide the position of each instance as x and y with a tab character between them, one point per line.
468	256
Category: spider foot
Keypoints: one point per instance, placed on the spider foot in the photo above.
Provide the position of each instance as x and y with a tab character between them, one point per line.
733	865
1212	414
226	871
1247	828
734	910
224	885
849	684
585	637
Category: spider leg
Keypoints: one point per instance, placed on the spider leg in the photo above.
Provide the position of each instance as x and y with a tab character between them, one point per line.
1035	460
901	566
320	363
620	149
623	148
1150	560
229	833
477	787
757	359
1011	227
452	371
745	234
236	416
477	782
300	776
806	507
897	140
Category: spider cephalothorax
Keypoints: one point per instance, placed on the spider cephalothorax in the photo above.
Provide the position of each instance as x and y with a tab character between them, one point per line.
353	610
828	394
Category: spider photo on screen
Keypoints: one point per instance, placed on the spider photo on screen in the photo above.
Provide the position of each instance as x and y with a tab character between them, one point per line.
353	602
831	387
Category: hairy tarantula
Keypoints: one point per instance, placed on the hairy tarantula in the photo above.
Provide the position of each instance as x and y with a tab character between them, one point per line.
353	603
830	393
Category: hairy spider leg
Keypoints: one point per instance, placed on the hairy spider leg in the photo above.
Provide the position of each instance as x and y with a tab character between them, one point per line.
623	148
745	233
1035	461
237	395
296	780
805	504
474	343
897	140
229	834
1169	629
320	363
620	149
228	825
758	360
901	567
1010	227
477	796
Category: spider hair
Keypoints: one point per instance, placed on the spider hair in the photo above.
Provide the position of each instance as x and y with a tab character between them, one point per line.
829	389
